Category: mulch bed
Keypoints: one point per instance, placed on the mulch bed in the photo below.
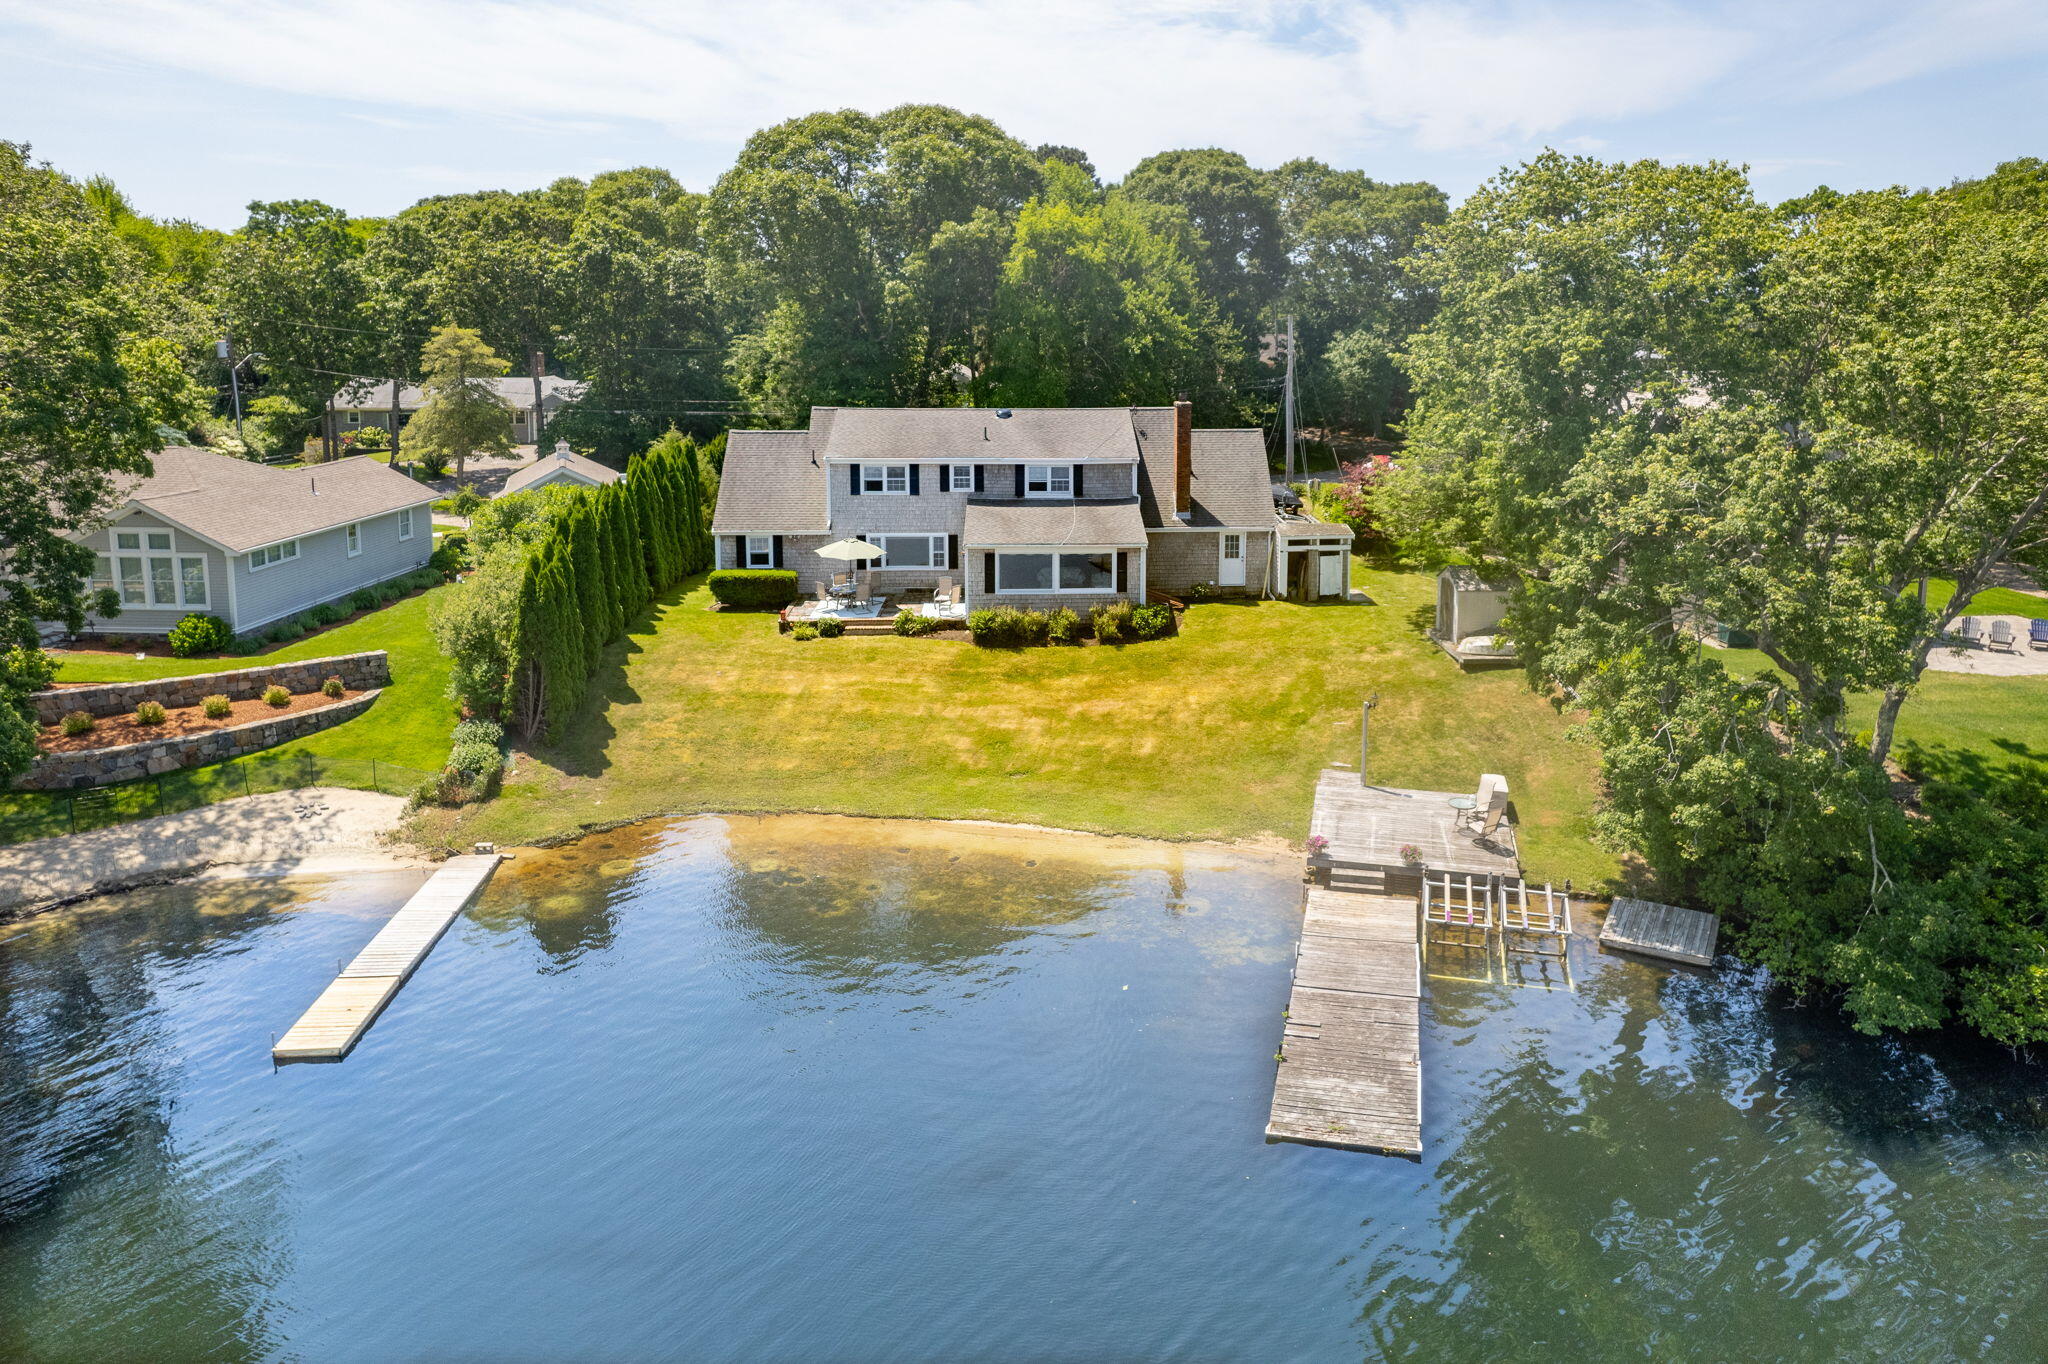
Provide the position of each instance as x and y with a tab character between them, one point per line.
112	731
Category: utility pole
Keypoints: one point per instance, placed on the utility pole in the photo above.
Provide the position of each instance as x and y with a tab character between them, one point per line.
1288	402
226	351
539	360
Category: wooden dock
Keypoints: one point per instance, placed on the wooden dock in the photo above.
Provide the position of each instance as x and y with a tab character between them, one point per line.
1367	826
1663	931
1352	1069
345	1009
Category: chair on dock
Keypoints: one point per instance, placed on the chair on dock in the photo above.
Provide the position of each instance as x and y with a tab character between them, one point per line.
2037	633
2002	636
1493	804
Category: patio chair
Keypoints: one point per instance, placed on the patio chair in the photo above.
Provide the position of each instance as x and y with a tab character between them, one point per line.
1494	789
945	591
1967	629
2037	633
824	591
2002	637
864	586
960	598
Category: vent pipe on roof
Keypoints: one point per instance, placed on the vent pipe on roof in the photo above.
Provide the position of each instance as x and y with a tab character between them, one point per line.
314	484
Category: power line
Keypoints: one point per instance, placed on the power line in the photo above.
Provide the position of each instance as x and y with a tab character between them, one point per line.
415	336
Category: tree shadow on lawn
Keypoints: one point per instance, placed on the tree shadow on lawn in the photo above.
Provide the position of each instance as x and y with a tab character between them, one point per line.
586	749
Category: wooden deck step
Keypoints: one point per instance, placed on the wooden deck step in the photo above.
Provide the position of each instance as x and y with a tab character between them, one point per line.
344	1011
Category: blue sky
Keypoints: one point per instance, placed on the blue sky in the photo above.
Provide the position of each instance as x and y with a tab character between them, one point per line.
196	107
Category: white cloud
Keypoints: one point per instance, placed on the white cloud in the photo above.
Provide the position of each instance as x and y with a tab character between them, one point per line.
1271	78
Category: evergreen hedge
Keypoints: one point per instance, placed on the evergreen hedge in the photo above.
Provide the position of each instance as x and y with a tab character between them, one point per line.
754	589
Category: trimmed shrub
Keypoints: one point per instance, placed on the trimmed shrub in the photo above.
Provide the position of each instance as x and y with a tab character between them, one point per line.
285	631
388	592
199	634
1112	623
804	631
433	464
464	503
753	589
421	579
1007	627
479	732
327	613
244	645
77	722
363	599
451	556
216	706
332	687
480	764
913	623
149	713
275	695
831	627
1062	626
1152	619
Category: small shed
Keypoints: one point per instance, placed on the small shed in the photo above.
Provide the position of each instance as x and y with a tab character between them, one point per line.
1469	610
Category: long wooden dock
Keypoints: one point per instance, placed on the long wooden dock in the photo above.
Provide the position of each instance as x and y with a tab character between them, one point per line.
346	1008
1352	1069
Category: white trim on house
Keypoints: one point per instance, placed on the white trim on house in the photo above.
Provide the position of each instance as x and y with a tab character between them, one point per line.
405	523
352	538
1057	478
887	473
936	545
766	551
287	550
1055	589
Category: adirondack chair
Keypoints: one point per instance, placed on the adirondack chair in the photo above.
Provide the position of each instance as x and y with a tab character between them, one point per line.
2002	636
2037	633
1968	628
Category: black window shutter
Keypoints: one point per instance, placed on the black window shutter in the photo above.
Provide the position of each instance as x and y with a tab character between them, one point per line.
1020	480
952	551
854	469
1076	490
977	478
988	574
945	478
1123	571
913	480
778	551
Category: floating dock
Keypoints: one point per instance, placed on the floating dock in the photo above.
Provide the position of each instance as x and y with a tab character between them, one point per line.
1663	931
345	1009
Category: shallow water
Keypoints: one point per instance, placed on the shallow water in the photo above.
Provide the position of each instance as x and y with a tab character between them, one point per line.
809	1089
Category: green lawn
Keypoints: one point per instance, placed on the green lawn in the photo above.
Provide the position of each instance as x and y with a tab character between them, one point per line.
408	726
1218	733
1992	601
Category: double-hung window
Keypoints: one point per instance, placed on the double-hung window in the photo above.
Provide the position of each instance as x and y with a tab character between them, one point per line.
885	478
962	479
909	551
760	551
1048	480
405	523
355	538
1070	572
355	419
273	554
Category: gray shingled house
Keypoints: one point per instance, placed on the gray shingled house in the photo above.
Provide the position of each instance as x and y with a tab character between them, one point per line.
364	404
253	544
1036	507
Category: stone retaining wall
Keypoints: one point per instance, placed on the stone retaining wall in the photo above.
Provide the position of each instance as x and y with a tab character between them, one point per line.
130	762
358	672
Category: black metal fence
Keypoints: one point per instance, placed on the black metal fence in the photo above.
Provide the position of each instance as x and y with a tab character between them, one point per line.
42	814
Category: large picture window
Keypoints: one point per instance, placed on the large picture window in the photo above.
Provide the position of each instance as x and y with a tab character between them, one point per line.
1071	572
154	576
1048	480
885	478
908	551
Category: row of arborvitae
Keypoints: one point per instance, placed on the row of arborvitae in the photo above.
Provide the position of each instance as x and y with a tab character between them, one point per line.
527	630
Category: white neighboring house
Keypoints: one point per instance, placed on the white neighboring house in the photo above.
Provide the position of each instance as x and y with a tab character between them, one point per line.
563	466
253	544
369	404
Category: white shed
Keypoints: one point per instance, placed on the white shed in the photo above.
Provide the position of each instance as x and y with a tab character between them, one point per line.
1469	611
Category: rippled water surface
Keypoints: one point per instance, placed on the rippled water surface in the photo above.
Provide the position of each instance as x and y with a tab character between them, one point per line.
803	1089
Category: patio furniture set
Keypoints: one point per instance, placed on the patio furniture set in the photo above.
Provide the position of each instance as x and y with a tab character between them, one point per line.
2000	634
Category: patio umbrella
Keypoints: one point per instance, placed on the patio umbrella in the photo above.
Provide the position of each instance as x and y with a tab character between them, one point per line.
851	549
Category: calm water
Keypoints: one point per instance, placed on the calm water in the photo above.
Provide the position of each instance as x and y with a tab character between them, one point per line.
795	1089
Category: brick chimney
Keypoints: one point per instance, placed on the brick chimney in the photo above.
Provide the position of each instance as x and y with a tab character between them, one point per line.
1183	457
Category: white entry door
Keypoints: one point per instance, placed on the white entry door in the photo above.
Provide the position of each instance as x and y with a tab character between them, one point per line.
1231	572
1333	584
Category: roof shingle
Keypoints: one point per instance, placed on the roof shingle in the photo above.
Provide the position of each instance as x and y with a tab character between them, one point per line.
771	484
241	505
1054	522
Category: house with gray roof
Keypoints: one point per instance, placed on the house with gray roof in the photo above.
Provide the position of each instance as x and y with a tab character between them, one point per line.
250	543
564	466
1033	507
365	403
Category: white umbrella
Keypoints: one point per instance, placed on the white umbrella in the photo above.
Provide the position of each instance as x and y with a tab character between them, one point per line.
850	549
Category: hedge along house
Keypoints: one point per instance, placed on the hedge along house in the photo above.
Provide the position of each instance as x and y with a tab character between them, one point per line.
1031	507
250	543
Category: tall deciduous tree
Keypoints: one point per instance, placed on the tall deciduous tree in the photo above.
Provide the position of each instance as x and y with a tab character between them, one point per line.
462	413
1242	258
88	374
